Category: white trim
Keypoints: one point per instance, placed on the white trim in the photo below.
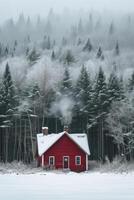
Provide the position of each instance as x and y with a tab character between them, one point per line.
53	160
76	160
42	161
68	162
86	162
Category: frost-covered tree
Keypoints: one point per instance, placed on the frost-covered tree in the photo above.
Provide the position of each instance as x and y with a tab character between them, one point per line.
33	56
115	88
68	57
83	89
100	54
53	56
120	124
131	83
66	84
117	49
99	111
83	96
6	51
88	46
100	94
64	99
7	93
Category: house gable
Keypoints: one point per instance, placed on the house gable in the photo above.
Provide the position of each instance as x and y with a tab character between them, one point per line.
46	142
65	142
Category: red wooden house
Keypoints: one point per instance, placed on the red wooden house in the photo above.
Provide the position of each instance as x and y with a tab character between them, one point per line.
63	151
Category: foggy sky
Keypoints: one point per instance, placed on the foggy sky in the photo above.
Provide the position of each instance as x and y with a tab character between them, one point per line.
12	8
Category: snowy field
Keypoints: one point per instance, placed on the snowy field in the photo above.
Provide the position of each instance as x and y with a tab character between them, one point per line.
67	186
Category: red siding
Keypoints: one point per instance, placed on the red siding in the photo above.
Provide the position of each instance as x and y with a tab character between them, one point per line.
66	147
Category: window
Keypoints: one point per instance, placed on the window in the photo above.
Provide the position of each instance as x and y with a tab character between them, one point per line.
78	160
51	160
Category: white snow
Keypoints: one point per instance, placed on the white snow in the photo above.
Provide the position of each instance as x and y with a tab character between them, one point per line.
69	186
46	141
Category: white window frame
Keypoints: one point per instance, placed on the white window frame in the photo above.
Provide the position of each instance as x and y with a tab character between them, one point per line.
53	157
76	160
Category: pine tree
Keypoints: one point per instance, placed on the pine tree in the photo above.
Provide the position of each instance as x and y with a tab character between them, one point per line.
115	88
131	83
27	51
79	42
1	50
35	92
122	89
66	84
100	93
88	46
83	88
33	56
111	29
1	99
117	49
53	55
8	92
48	43
69	58
100	54
99	111
6	52
83	91
15	45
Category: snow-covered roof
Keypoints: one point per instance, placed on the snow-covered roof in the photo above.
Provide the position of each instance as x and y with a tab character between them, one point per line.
46	141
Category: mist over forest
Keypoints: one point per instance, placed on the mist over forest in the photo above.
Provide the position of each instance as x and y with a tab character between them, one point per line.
69	31
71	69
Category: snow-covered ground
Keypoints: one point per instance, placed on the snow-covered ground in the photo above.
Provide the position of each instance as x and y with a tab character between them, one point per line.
67	186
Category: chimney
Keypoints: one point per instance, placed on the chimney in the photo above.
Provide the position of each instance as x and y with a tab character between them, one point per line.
66	128
45	130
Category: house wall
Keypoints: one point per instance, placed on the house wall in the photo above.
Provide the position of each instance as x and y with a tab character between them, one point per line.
66	147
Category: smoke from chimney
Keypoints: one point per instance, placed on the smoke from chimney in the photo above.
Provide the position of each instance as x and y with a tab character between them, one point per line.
66	128
63	109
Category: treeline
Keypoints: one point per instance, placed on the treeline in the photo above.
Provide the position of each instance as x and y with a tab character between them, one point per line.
90	102
65	30
56	85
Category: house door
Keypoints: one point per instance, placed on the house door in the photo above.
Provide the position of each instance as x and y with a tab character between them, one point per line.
66	162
